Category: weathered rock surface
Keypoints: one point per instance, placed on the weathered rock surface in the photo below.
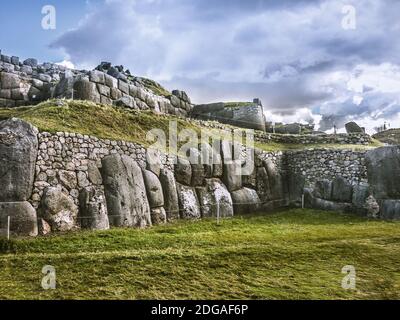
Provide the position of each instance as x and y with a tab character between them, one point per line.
342	190
215	199
245	201
198	173
158	216
371	207
383	169
125	192
232	176
58	209
23	219
153	188
94	174
86	90
276	183
18	152
153	161
296	188
93	209
353	127
188	202
360	194
323	189
171	203
183	171
390	209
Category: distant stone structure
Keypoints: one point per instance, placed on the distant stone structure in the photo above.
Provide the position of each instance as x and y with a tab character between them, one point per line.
242	114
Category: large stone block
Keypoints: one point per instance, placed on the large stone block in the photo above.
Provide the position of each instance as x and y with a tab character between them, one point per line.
188	202
323	189
183	171
360	195
276	181
342	190
383	169
245	201
158	216
58	209
86	90
153	161
390	209
171	203
215	199
9	80
23	219
125	192
93	213
154	190
18	152
232	176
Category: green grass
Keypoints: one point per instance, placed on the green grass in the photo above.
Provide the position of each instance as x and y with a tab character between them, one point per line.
295	254
238	104
108	122
155	87
103	121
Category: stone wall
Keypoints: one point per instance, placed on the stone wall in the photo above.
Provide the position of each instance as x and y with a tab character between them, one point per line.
27	83
249	115
342	138
318	164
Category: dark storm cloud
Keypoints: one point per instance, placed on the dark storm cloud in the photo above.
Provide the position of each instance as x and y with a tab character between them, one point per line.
288	53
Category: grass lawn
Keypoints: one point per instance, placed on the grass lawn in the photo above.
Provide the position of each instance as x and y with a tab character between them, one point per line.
294	254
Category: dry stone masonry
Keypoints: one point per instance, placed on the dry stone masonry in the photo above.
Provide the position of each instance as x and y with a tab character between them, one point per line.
27	82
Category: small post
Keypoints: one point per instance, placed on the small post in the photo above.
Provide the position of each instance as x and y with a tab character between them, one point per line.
302	201
218	217
8	228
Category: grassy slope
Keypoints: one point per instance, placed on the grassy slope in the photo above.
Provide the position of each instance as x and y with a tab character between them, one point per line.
297	254
391	136
118	124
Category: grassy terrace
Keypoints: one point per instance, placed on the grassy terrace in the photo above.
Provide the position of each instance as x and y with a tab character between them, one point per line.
295	254
113	123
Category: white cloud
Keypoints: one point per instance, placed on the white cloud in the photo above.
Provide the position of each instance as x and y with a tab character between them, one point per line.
294	55
66	63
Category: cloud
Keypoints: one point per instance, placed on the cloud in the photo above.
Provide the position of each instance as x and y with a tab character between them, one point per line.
291	54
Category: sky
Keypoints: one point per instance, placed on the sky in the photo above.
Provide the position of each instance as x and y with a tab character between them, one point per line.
325	62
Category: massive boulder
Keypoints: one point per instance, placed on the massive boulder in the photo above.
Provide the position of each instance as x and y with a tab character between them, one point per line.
86	90
158	216
93	209
353	127
58	209
23	219
296	184
215	199
153	161
198	173
188	202
360	195
171	203
383	169
232	176
245	201
154	190
183	171
276	183
323	189
342	190
18	152
125	192
390	209
207	159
